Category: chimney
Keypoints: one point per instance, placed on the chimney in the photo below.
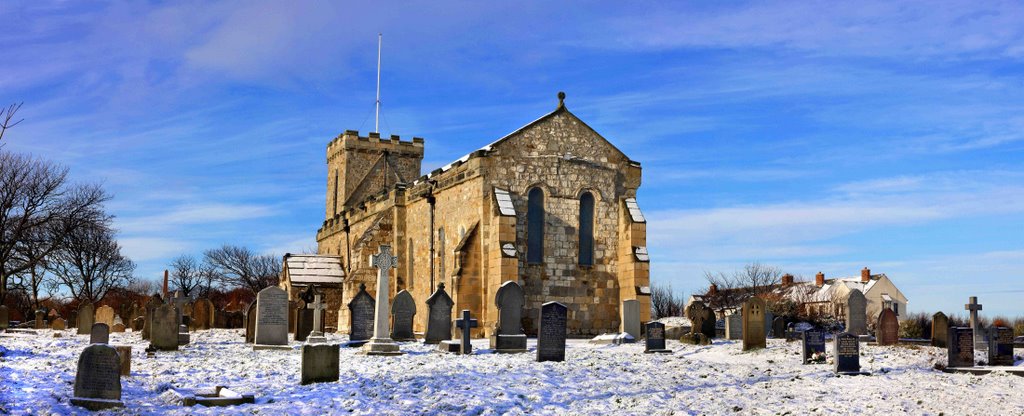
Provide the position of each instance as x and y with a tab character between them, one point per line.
819	279
787	279
713	290
865	275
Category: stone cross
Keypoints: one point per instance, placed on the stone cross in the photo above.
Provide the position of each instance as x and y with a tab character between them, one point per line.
179	300
973	306
318	306
381	343
465	324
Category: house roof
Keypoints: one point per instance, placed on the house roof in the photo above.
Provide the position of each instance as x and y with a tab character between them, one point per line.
305	269
807	291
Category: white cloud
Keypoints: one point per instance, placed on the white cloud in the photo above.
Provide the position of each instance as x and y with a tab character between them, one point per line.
144	249
192	214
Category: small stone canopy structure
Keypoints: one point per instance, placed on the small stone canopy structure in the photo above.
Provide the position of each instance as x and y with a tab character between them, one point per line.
552	206
299	271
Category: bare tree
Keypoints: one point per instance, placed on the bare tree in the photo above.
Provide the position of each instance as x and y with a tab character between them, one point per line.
89	263
7	116
31	281
185	273
755	279
241	267
38	210
665	302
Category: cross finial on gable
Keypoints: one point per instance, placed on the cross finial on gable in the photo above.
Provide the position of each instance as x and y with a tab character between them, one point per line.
561	99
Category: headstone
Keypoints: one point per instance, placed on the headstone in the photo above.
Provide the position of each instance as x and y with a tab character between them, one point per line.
552	331
439	316
124	355
180	302
847	352
319	363
361	316
979	334
154	302
317	308
85	319
508	332
202	314
779	327
887	331
1000	348
5	320
118	325
708	326
303	324
99	334
814	346
183	336
702	320
402	313
139	324
381	343
856	313
465	324
655	338
271	318
250	323
734	326
98	381
59	324
631	318
769	317
753	324
960	347
164	332
40	322
105	315
940	325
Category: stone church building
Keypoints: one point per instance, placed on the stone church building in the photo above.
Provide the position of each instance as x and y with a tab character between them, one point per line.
551	205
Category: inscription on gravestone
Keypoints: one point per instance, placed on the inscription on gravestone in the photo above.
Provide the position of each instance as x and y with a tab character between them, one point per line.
847	351
272	316
655	338
551	334
361	310
98	381
814	346
960	350
1000	349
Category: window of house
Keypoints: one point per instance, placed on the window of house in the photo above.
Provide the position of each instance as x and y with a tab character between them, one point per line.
586	238
535	226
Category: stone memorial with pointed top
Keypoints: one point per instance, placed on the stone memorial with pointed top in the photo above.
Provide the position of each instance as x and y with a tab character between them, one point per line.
439	316
508	334
271	319
402	312
856	313
86	318
940	329
361	316
98	380
381	343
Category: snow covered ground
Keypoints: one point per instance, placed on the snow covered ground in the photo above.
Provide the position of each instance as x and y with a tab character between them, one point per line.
37	376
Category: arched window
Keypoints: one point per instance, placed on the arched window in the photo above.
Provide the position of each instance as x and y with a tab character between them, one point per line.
535	226
586	229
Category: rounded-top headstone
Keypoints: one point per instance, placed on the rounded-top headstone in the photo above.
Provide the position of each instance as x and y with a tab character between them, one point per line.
99	373
272	316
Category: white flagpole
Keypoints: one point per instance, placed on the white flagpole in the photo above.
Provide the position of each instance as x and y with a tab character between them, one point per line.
376	119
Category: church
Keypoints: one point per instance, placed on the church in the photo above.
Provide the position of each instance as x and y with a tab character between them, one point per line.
551	205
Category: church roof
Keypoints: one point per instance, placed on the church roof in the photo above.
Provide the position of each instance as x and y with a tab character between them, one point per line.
305	269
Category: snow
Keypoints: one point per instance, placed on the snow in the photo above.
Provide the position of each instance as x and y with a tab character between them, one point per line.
37	376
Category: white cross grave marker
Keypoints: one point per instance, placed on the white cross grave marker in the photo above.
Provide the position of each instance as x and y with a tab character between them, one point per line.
381	343
318	307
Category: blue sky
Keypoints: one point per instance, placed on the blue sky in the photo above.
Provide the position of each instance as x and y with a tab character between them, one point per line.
807	135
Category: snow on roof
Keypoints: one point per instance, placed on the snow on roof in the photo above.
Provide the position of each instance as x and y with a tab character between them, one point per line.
307	269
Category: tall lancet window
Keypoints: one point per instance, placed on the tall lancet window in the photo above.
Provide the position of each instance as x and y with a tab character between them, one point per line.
587	229
535	226
335	197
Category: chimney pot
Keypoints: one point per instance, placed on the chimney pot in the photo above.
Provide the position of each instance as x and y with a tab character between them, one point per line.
819	279
787	279
865	275
713	289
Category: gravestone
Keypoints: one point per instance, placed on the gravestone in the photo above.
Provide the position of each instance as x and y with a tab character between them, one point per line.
814	346
164	328
202	314
317	307
154	302
99	334
124	356
508	332
85	319
779	327
5	320
655	341
59	324
303	323
940	325
753	324
319	363
887	331
631	317
439	316
98	381
138	324
381	343
361	317
250	323
856	313
734	326
118	326
846	347
105	315
708	324
180	302
183	336
960	347
464	346
271	319
552	331
1000	348
402	313
979	333
40	321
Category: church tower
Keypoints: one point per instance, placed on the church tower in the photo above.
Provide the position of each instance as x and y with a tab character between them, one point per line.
358	167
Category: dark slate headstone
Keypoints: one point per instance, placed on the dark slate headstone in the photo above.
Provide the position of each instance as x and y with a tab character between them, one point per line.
40	322
250	323
779	327
164	332
960	347
1000	348
465	323
708	324
508	335
552	331
814	346
303	324
319	363
940	329
847	351
856	313
887	331
439	316
402	311
5	320
85	319
98	381
753	324
99	334
655	338
361	310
